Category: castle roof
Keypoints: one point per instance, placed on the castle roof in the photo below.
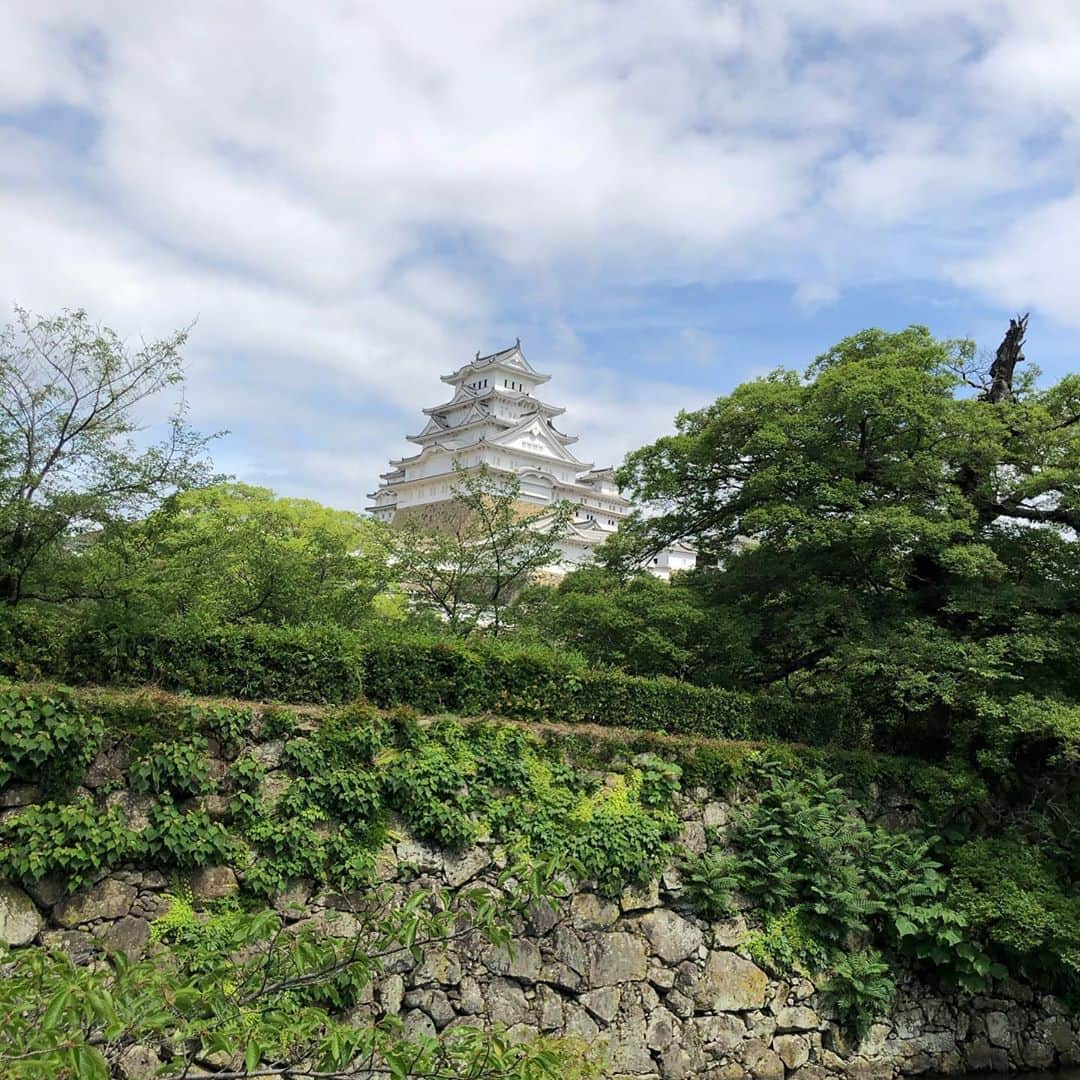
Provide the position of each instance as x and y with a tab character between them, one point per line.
511	360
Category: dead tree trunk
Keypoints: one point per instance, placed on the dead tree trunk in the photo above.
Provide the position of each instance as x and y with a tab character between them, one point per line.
1009	353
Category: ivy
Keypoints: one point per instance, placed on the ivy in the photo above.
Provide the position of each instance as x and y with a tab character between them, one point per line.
184	840
172	768
45	739
78	841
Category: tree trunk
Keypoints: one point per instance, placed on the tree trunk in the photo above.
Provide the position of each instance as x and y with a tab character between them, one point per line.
1009	354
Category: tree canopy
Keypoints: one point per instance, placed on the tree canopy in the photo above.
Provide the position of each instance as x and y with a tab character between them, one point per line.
70	394
232	553
895	530
470	563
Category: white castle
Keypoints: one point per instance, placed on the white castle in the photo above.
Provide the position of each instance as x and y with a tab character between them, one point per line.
494	419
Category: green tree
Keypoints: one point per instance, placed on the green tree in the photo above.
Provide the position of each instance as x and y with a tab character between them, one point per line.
231	553
238	995
70	395
895	532
637	622
472	563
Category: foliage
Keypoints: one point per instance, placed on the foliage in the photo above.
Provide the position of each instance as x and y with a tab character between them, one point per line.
872	529
709	880
277	723
617	839
77	841
198	939
231	553
228	726
234	984
469	566
172	768
639	623
186	840
1025	904
825	879
786	943
44	738
69	468
297	664
430	786
859	989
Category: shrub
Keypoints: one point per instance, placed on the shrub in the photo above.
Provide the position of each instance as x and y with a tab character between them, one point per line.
76	840
184	840
173	768
317	664
429	787
228	725
617	840
45	738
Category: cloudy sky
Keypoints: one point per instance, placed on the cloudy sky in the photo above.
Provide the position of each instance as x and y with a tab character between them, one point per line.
662	198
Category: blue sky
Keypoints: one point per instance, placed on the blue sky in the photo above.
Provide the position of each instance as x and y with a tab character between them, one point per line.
662	198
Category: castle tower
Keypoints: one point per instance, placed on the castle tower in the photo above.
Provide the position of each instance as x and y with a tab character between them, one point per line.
494	418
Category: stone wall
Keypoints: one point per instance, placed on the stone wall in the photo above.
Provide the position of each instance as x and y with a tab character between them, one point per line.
657	991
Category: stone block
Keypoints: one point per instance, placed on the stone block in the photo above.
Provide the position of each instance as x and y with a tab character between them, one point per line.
518	959
109	899
662	1029
794	1050
461	869
730	984
20	919
506	1003
640	897
550	1006
602	1003
798	1018
720	1033
670	936
213	882
591	912
15	795
616	957
128	935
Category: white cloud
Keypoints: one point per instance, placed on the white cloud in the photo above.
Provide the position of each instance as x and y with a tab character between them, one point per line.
345	194
1034	263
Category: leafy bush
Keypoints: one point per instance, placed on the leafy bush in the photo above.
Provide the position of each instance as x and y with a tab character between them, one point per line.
786	944
246	773
1024	904
172	768
326	665
184	840
228	725
250	661
199	940
616	839
429	786
827	881
45	738
801	842
77	841
277	723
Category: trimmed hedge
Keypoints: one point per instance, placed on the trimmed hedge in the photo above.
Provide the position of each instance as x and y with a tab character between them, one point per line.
315	665
446	676
327	666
